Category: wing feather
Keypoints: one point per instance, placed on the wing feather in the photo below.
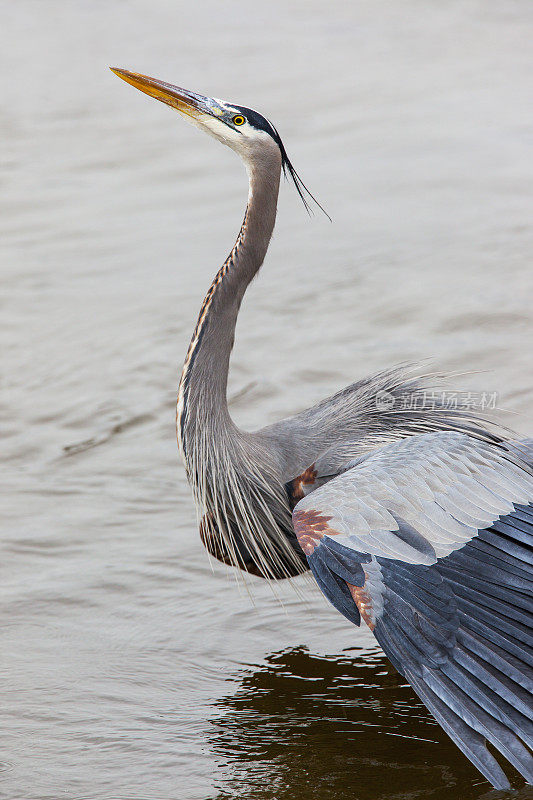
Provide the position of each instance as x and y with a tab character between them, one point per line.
433	538
473	743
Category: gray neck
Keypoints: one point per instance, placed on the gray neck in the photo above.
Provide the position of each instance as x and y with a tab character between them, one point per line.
202	400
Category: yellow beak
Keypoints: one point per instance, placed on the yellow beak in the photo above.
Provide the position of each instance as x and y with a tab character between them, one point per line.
189	103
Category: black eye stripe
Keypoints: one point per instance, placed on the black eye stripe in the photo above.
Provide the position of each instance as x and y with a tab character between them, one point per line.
258	122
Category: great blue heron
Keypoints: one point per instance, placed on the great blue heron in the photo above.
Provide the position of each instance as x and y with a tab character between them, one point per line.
413	516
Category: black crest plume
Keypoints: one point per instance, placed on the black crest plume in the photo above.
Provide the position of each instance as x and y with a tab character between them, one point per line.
301	188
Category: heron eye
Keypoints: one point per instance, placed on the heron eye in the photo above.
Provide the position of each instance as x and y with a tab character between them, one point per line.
238	120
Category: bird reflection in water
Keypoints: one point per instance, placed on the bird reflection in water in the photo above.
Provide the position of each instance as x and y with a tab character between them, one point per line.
309	727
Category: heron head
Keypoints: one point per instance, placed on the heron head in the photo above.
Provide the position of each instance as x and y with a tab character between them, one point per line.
246	131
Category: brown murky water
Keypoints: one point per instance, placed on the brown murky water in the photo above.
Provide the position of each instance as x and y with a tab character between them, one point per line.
129	669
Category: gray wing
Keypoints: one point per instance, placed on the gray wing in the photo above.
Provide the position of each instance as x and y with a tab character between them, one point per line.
430	541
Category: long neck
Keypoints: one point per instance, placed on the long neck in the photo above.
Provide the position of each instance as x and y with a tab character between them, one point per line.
202	400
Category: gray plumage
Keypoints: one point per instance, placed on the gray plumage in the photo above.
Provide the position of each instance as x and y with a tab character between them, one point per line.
415	517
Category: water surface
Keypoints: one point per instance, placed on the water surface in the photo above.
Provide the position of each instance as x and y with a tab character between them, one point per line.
130	670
